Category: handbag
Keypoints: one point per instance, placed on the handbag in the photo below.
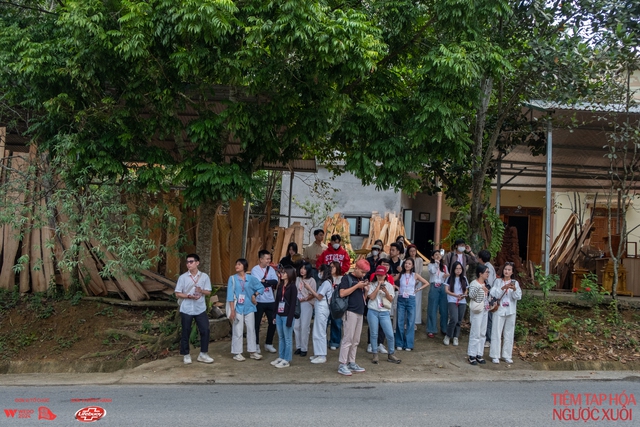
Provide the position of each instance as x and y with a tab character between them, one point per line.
494	304
386	303
186	291
296	312
476	307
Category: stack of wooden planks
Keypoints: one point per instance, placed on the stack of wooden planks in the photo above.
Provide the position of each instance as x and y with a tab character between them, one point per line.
386	229
337	224
567	248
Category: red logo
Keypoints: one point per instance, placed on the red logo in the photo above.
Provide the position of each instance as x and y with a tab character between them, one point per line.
90	414
45	413
10	413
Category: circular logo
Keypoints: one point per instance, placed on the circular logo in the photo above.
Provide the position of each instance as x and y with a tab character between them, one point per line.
90	414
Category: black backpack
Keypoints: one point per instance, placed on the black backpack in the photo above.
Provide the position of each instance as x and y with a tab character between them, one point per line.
338	305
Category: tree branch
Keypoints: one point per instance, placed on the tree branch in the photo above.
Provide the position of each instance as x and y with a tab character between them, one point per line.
28	7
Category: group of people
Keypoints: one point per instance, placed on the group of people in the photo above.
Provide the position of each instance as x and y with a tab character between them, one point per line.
384	288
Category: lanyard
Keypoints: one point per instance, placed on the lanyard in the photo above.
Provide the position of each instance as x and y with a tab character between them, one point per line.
195	282
242	282
284	288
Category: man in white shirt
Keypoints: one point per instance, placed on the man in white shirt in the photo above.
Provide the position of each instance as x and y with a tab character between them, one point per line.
191	289
265	302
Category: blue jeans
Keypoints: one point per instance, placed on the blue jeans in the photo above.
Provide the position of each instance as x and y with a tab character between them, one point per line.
406	320
336	332
437	303
285	338
382	318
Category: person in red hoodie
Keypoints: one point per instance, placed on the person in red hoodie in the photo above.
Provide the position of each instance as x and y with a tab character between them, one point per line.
335	252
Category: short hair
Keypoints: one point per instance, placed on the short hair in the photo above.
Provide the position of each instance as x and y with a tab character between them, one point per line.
292	245
481	268
263	253
460	241
194	256
244	263
484	255
318	231
307	269
398	246
336	238
383	260
379	241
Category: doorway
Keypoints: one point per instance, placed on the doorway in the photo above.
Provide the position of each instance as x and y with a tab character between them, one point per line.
424	232
521	223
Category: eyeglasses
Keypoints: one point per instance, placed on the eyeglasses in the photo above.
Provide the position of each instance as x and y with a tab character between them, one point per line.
191	261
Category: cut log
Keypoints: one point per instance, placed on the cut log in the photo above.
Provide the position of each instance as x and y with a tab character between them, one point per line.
224	231
216	265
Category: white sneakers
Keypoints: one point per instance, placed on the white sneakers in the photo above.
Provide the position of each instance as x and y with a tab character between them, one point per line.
496	361
319	359
455	341
187	359
445	341
204	358
239	357
334	348
275	362
255	356
270	348
282	364
369	348
382	349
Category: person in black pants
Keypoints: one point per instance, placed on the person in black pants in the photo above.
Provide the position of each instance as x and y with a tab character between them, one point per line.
264	303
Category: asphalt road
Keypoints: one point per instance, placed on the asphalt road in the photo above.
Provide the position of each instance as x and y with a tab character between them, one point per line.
495	403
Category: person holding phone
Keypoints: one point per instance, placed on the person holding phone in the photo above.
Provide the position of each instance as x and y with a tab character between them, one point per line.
322	315
192	287
437	302
507	292
380	297
456	289
410	283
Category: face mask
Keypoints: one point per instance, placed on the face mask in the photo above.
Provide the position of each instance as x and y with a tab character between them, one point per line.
375	253
336	246
461	248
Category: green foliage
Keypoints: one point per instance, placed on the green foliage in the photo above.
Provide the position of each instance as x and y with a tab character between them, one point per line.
545	281
590	291
106	311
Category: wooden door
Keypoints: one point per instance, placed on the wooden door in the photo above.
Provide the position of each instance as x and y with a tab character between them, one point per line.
534	249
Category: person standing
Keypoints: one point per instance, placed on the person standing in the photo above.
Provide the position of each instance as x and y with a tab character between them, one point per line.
462	253
479	305
456	289
335	324
485	257
382	253
242	290
302	326
437	302
293	258
285	306
384	262
375	257
335	252
380	296
412	252
322	314
267	275
192	287
507	291
408	283
395	268
353	285
311	253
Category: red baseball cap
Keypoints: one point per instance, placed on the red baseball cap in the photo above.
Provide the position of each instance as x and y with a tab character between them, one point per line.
382	270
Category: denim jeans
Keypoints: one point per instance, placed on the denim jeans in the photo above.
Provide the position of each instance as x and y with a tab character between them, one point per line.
406	320
437	304
383	319
336	332
285	338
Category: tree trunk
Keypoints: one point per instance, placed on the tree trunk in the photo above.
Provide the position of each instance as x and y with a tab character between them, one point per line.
204	234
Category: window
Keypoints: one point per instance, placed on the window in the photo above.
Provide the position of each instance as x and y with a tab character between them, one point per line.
358	225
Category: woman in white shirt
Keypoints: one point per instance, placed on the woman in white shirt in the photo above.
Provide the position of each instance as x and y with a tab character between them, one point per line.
408	284
478	310
302	326
507	291
456	289
412	252
380	297
323	296
438	273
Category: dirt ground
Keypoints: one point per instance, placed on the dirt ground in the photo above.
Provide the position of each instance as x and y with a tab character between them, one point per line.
37	328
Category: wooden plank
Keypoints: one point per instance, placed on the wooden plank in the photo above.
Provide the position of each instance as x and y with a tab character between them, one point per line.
224	231
172	266
11	235
158	278
288	233
132	288
92	269
298	235
58	251
277	247
151	285
46	235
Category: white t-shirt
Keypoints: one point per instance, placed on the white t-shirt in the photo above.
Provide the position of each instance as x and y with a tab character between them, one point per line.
457	289
188	283
258	273
376	304
326	290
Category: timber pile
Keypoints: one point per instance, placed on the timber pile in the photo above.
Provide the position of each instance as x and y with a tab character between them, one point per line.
336	224
567	250
386	229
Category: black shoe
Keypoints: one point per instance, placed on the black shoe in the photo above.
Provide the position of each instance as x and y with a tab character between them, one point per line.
472	360
303	353
480	360
298	351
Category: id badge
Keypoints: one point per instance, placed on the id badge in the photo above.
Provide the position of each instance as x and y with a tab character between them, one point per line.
241	299
281	307
380	305
405	295
505	304
267	289
437	285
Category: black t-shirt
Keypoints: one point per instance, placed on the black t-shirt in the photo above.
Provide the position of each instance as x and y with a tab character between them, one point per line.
356	299
393	266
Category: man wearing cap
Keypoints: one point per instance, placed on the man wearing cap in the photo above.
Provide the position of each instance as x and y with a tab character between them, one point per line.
353	285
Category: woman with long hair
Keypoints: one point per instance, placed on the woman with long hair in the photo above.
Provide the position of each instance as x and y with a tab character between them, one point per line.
418	264
322	314
408	284
302	326
336	324
292	258
456	289
478	310
506	293
437	302
380	297
242	289
285	307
